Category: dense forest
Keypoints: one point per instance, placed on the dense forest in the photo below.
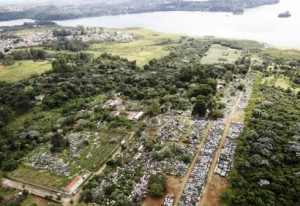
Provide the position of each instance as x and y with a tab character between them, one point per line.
267	162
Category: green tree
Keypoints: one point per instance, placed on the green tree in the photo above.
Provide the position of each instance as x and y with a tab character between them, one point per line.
156	190
200	107
153	109
157	185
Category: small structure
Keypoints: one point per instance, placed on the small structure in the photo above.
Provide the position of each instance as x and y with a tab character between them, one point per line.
135	116
114	113
72	188
39	98
286	14
238	12
117	103
222	59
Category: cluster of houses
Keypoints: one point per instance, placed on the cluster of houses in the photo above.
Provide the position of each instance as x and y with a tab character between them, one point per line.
103	37
29	40
197	132
38	38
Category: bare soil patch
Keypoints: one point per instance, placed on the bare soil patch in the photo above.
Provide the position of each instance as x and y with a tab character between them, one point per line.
42	202
212	193
152	132
174	187
2	66
238	116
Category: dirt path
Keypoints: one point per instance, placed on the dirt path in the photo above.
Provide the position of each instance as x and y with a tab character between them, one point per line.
216	184
189	171
38	191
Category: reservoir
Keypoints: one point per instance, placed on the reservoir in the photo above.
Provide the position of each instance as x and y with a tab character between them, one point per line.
260	24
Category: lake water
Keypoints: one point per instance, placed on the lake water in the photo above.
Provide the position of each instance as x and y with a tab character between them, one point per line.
15	22
260	24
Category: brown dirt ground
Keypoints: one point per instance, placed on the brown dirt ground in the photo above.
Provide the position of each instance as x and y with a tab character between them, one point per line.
238	116
41	201
152	132
2	66
174	187
211	194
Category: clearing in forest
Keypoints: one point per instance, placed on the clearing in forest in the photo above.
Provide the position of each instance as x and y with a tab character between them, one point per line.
146	45
23	69
220	54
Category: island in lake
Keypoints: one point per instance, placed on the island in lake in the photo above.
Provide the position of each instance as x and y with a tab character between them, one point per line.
286	14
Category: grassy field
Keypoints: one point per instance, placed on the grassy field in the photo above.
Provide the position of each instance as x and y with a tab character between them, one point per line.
23	69
281	81
220	54
38	177
282	53
144	48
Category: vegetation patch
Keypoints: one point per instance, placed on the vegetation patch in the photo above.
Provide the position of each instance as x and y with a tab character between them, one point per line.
147	45
23	69
38	177
267	160
220	54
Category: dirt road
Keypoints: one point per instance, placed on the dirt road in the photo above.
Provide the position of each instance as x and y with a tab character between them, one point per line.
211	195
38	191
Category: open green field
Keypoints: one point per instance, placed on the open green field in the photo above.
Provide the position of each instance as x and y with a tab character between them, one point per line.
281	81
220	54
282	53
23	69
38	177
144	47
